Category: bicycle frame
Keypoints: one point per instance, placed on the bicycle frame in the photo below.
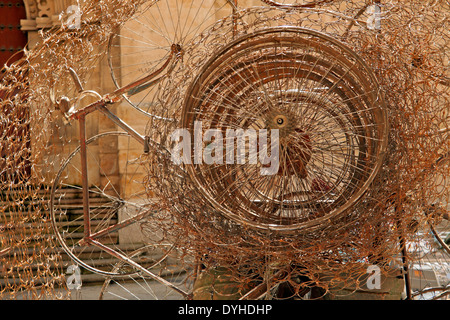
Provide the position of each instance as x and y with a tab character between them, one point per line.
101	105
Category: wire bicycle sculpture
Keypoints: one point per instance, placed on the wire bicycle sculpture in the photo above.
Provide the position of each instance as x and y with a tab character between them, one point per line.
358	91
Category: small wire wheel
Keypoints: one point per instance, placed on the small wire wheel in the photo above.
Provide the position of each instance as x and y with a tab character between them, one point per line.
329	116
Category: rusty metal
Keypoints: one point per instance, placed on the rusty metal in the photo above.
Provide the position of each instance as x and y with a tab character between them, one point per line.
91	238
283	38
201	199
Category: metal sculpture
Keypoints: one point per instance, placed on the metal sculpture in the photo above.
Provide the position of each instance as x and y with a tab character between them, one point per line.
357	90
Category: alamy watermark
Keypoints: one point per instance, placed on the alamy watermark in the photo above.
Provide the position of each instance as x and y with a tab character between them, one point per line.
72	17
74	280
374	279
214	146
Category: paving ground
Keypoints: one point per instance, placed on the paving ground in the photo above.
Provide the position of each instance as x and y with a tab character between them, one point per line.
129	290
126	291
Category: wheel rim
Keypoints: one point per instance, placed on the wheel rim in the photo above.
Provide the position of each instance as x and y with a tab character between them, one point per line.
298	75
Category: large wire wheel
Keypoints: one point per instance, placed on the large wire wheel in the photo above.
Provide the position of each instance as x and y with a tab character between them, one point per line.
247	72
330	118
